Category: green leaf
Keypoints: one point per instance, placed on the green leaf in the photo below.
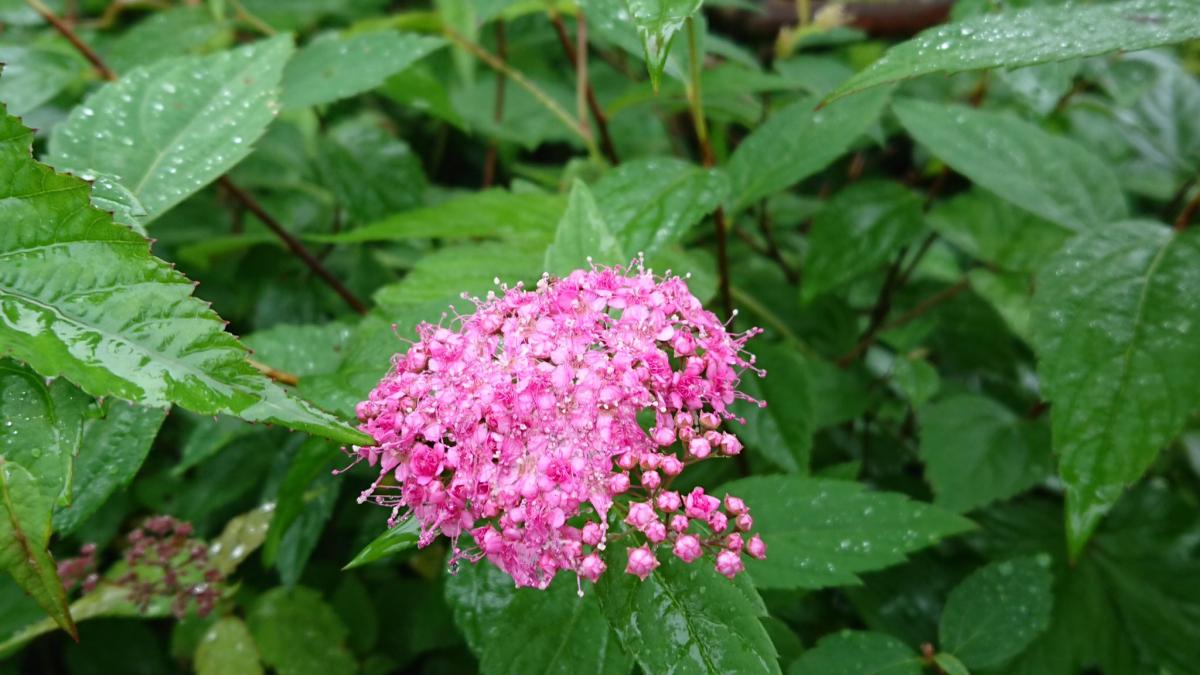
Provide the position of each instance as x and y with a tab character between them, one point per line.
782	431
371	173
111	452
653	202
995	613
313	458
166	130
583	236
1115	323
105	600
859	230
490	213
1040	172
173	32
560	633
858	653
42	426
334	66
657	22
797	142
977	451
686	619
442	276
227	648
399	538
950	664
35	74
822	532
301	539
241	537
24	535
299	634
478	595
1036	35
118	321
1010	294
992	230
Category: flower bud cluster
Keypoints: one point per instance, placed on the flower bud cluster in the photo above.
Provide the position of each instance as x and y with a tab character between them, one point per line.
552	421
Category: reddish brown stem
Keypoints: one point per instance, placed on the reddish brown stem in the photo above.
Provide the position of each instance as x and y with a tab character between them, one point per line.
593	104
489	160
82	47
1188	213
919	310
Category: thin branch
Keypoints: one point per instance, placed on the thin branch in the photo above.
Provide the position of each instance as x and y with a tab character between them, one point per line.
919	310
241	195
695	99
1184	219
277	375
489	160
581	73
66	31
293	244
500	66
606	142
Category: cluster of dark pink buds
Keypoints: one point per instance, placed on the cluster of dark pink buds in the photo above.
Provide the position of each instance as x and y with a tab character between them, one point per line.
166	562
80	570
534	423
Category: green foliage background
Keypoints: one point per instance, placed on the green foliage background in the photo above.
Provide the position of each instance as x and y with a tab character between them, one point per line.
972	251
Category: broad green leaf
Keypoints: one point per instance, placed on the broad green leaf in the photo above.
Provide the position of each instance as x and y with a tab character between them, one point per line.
950	664
653	202
996	612
301	349
24	535
105	600
686	619
560	633
977	451
42	426
313	458
442	276
418	88
478	595
297	633
241	537
1115	322
227	648
111	452
797	142
997	232
490	213
822	532
370	172
301	539
657	23
583	236
334	66
782	431
1009	293
366	358
914	378
859	230
168	129
858	653
173	32
1036	35
117	321
35	74
399	538
1040	172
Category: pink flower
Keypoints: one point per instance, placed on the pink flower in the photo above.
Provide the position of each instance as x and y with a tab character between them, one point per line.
756	548
641	562
729	563
734	505
687	548
744	522
520	425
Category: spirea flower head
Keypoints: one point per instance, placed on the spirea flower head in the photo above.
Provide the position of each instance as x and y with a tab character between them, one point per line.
553	420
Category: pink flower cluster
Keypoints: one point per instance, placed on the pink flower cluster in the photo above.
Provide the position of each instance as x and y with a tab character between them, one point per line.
533	423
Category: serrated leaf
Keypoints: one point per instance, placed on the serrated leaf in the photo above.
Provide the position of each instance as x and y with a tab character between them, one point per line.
42	426
371	173
561	633
227	648
782	431
822	532
478	595
797	142
1040	172
105	600
166	130
992	230
1030	36
653	202
859	230
977	451
490	213
297	633
583	236
858	653
111	452
657	23
117	321
334	66
686	619
995	613
399	538
1115	322
301	349
24	536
